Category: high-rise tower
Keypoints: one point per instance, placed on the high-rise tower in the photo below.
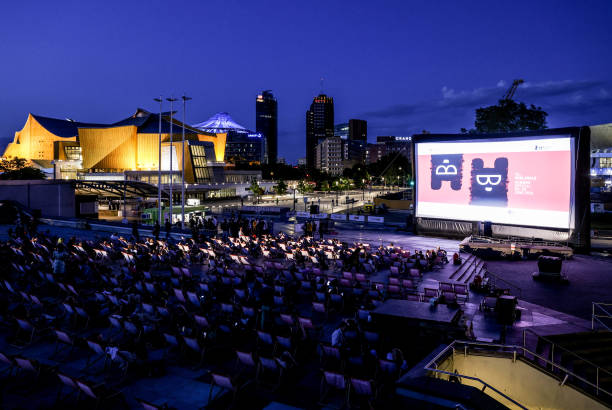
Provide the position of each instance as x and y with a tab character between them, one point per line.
266	122
319	125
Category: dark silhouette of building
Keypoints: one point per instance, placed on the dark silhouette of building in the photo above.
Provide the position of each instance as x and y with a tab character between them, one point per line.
358	130
319	125
266	122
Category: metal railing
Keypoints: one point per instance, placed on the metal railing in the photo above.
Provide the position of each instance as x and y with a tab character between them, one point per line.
516	351
599	371
494	279
516	240
596	315
451	349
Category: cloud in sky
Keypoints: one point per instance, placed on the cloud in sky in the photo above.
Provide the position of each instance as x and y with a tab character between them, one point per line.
568	102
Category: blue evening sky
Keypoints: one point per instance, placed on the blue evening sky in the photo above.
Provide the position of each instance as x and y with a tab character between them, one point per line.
403	66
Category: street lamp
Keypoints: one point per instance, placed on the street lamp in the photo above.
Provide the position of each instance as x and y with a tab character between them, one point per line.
172	100
159	161
363	190
185	99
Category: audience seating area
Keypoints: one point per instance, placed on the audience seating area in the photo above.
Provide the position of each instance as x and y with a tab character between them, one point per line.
253	315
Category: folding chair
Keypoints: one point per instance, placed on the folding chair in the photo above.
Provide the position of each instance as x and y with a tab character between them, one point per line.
462	292
67	381
363	389
450	297
150	406
245	362
224	383
26	330
330	357
265	340
9	364
309	330
446	287
99	392
97	353
332	381
194	346
267	366
430	293
62	338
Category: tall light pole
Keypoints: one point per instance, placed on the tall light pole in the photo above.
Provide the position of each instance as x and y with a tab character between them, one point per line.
159	161
363	190
172	100
185	99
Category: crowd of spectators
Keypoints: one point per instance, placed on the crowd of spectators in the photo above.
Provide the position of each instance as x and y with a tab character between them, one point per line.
242	295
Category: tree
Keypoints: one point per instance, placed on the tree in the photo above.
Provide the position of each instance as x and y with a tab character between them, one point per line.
304	187
509	115
16	168
256	189
324	186
280	188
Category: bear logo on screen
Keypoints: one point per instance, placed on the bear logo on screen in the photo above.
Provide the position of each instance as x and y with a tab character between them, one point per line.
489	186
446	168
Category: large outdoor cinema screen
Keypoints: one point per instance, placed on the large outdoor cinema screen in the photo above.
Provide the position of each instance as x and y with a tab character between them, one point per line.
526	181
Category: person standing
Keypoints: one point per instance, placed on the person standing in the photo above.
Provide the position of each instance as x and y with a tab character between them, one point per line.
168	228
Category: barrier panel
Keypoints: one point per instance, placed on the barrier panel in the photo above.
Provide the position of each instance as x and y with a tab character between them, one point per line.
319	216
358	218
376	219
338	217
303	214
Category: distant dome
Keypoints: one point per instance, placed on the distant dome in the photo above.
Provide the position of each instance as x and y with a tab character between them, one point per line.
220	122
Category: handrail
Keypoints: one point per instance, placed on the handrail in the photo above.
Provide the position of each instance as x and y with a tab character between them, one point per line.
558	346
524	350
512	285
515	240
485	384
595	317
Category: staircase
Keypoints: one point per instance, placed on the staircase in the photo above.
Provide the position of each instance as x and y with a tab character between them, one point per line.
472	266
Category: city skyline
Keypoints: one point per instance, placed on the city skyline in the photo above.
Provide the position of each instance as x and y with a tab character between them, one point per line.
403	68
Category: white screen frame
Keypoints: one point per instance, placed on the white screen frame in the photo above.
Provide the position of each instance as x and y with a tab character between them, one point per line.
468	146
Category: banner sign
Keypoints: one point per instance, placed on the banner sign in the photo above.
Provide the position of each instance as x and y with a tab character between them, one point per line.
338	217
376	219
358	218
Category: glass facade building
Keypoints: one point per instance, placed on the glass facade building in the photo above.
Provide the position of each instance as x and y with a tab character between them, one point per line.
266	123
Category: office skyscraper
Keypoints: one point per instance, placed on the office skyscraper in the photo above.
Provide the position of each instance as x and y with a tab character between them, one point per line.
319	125
266	122
358	130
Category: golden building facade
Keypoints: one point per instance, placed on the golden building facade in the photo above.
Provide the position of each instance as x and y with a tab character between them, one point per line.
132	144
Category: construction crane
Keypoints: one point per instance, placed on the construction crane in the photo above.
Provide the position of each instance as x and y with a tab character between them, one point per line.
510	93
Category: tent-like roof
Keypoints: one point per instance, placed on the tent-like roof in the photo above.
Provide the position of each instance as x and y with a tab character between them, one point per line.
219	123
63	128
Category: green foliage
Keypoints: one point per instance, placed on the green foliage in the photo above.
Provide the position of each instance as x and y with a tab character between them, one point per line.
280	188
12	164
16	168
304	187
324	186
508	116
256	189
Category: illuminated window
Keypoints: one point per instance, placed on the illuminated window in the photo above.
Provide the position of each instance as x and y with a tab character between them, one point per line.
605	162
